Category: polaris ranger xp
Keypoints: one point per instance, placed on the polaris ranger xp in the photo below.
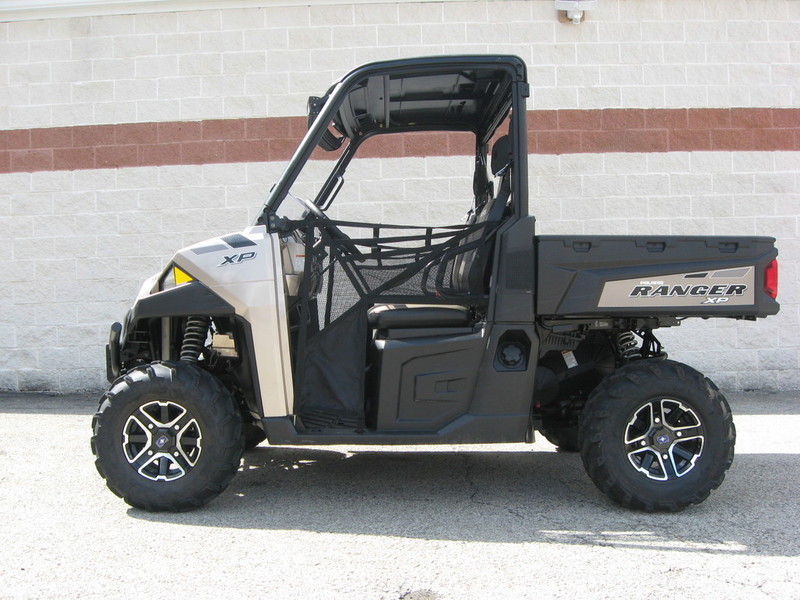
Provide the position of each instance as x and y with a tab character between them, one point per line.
310	329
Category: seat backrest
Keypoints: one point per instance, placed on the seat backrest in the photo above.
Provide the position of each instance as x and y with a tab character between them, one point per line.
501	155
469	268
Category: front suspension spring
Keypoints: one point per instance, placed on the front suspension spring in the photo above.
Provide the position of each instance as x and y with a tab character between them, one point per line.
194	338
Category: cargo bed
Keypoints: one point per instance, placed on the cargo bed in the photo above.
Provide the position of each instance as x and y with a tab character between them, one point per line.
677	276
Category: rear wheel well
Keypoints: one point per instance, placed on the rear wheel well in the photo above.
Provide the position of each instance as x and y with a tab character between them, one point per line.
571	365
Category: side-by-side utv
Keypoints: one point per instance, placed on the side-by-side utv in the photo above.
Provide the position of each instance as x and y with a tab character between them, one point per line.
308	329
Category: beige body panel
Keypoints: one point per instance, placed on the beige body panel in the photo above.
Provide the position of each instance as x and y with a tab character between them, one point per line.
250	278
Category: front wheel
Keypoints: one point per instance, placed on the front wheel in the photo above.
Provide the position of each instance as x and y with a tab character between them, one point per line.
253	435
657	436
167	437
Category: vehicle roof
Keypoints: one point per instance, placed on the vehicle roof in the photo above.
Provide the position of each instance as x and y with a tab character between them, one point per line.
460	93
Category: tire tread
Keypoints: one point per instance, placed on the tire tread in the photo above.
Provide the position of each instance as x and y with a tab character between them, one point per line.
611	393
206	389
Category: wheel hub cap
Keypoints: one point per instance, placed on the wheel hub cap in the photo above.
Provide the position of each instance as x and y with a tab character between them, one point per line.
663	439
162	441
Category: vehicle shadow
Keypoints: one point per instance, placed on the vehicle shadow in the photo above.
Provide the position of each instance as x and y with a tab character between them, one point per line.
45	403
506	497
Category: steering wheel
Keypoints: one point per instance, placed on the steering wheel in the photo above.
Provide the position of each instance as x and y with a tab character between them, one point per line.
335	233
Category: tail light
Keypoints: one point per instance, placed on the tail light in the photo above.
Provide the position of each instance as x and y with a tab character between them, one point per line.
771	279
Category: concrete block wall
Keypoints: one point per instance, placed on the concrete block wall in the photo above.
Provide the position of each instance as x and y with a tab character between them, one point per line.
692	193
236	63
124	137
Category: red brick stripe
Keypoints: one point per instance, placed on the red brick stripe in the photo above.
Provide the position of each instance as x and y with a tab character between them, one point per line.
275	139
663	130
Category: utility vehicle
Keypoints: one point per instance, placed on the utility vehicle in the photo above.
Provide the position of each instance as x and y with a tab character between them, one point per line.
310	329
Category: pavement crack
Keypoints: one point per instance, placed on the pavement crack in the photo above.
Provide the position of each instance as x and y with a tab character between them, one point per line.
469	479
474	489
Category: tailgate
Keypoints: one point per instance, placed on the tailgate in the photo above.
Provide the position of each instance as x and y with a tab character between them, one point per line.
666	275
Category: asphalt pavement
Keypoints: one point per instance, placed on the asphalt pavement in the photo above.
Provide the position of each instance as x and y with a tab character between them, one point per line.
435	523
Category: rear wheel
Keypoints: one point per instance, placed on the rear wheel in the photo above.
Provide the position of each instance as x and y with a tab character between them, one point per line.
167	437
657	436
562	434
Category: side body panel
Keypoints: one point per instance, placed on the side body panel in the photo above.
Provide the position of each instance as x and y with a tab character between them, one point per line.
424	382
245	270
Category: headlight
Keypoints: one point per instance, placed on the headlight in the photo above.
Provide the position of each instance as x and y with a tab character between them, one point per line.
175	276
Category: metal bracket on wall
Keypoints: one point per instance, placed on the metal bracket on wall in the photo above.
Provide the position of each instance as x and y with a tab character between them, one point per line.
575	10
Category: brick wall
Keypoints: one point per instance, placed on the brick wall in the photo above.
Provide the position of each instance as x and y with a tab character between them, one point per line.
125	137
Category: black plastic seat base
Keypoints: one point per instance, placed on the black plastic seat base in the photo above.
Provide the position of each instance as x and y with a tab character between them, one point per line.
388	317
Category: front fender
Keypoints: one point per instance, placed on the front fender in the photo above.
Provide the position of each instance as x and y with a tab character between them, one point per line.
191	298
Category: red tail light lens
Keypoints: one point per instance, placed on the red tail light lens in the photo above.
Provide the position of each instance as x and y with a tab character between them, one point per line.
771	279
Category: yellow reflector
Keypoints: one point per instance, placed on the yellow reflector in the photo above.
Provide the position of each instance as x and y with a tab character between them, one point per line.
181	276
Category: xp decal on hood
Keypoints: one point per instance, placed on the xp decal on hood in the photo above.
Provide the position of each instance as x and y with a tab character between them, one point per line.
728	286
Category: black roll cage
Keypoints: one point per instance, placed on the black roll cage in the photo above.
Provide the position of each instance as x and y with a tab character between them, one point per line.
483	125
